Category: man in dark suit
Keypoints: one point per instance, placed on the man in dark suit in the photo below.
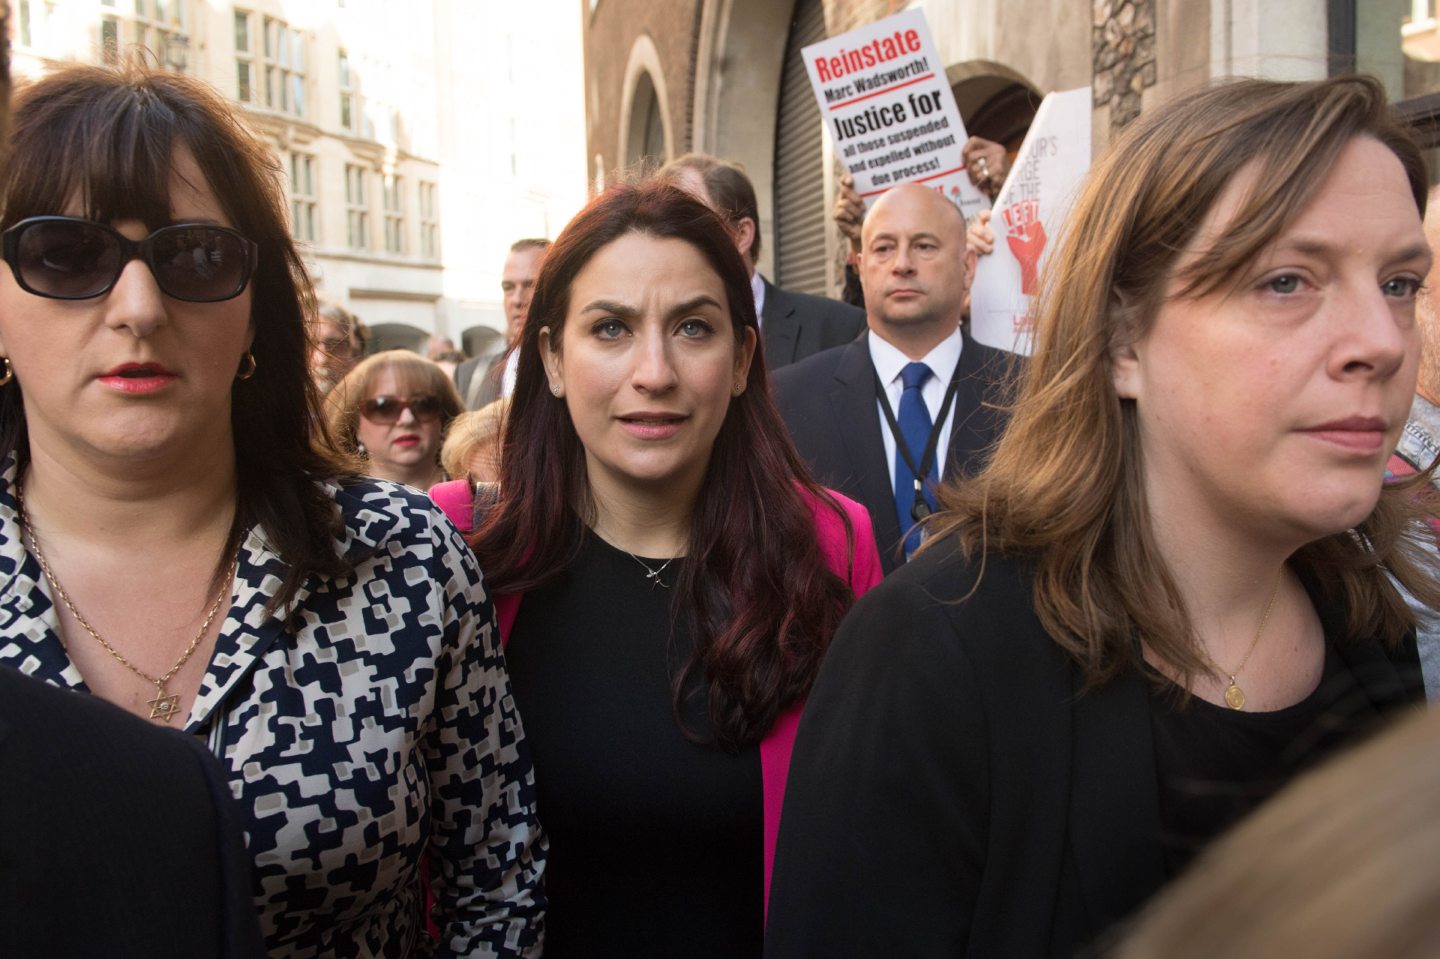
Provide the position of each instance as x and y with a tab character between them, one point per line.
485	379
914	359
794	325
116	838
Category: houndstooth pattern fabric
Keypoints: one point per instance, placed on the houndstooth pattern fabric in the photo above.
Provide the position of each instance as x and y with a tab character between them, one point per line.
381	727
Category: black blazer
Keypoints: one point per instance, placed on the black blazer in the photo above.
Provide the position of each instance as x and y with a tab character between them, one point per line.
955	792
797	325
828	402
117	838
490	369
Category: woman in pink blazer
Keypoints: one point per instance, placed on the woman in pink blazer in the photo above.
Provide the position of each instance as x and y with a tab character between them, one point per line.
668	579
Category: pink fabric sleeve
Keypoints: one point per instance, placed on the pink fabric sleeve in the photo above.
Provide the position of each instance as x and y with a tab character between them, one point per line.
862	571
453	497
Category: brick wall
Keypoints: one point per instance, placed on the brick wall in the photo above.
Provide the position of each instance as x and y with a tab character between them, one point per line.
673	26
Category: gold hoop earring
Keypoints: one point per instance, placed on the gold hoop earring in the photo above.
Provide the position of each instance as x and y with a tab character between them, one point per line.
9	371
246	371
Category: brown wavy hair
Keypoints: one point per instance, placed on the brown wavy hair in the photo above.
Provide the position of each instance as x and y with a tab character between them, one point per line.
1065	481
110	134
761	603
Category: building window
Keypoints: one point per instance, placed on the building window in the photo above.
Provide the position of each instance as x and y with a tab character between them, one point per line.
347	93
394	214
284	65
1399	43
429	222
110	40
144	27
244	59
356	215
302	197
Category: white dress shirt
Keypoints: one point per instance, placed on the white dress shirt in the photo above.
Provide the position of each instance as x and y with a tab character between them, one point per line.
889	362
757	286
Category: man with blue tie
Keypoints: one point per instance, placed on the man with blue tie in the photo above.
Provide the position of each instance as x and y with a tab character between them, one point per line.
914	395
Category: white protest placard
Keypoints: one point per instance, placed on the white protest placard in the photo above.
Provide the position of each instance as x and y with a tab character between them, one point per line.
1028	214
884	97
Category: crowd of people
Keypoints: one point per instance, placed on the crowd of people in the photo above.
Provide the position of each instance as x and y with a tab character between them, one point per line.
708	618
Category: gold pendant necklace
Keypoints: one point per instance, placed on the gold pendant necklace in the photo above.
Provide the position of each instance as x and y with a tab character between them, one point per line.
165	705
1234	695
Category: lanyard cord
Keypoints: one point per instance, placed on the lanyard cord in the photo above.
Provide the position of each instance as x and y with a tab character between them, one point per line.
921	509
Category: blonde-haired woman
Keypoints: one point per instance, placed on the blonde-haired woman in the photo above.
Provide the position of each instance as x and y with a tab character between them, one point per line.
1166	594
392	410
471	454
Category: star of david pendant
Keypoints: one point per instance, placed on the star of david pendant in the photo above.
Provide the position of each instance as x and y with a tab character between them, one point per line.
163	707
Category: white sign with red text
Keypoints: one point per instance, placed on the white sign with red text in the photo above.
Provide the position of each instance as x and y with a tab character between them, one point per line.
1028	214
885	100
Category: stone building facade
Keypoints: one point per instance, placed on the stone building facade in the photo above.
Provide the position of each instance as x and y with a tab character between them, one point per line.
419	138
720	76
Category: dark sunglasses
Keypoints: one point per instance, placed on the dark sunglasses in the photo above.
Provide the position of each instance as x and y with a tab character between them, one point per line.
67	258
386	410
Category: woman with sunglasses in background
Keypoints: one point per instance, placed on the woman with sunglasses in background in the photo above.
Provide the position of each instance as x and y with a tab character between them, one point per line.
393	410
174	539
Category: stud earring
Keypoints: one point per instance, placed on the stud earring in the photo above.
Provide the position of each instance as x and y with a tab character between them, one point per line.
555	388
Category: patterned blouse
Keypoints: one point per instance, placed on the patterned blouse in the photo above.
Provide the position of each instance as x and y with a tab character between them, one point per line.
381	727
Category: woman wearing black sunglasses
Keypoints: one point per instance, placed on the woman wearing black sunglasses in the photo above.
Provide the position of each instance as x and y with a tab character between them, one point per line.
393	410
176	538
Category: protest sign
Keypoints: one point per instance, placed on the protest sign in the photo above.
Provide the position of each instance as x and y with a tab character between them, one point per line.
1028	214
884	97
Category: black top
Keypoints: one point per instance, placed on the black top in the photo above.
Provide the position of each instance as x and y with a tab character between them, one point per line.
1215	765
655	842
957	790
118	838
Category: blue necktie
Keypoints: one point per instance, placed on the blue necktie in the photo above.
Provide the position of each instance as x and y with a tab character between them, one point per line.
914	420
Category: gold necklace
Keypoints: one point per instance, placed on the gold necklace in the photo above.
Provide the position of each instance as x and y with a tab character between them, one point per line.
164	706
1234	695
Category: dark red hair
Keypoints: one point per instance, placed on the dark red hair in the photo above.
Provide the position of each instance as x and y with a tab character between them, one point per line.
761	603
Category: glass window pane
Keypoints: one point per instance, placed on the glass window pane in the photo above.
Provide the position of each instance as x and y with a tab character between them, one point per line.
1400	44
242	82
110	40
242	32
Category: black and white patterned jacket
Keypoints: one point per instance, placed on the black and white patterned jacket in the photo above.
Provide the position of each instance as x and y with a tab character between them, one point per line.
381	724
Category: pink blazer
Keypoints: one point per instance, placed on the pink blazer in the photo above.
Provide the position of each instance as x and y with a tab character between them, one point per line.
861	571
453	496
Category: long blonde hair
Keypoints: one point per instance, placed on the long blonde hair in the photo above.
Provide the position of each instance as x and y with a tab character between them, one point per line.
1064	482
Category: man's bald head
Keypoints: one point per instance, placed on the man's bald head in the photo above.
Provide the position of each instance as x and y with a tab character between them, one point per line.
912	266
916	200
